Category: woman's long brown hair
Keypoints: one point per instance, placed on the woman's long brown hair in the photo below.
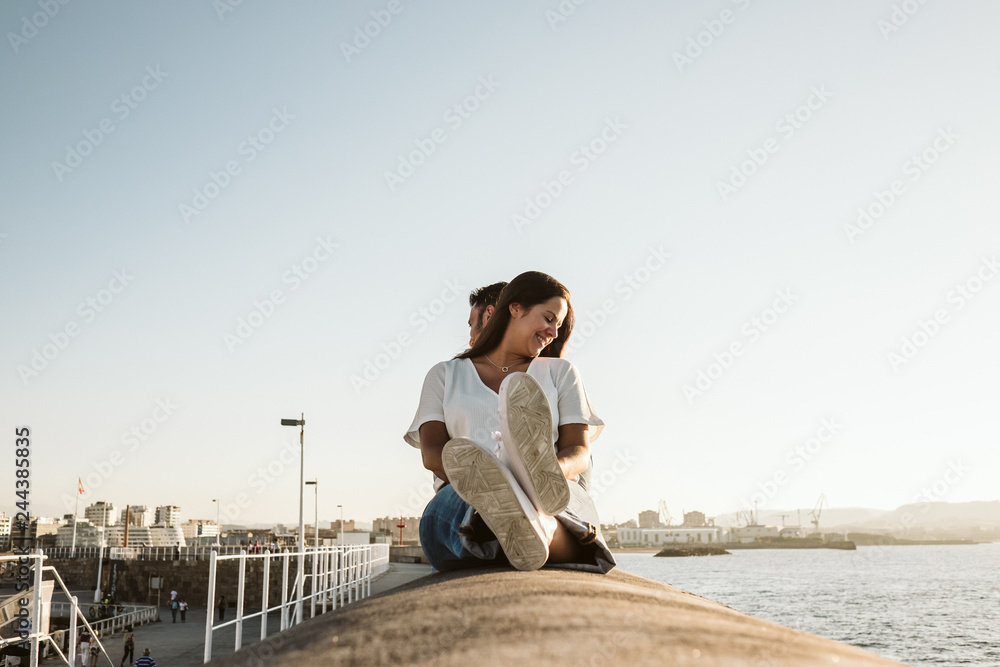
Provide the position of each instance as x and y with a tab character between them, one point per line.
528	289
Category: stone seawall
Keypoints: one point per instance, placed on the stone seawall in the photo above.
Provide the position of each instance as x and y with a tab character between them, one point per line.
547	617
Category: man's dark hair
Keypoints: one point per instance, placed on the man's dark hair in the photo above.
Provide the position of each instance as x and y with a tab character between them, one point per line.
528	289
486	296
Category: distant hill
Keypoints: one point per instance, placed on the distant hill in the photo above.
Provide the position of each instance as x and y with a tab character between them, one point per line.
934	520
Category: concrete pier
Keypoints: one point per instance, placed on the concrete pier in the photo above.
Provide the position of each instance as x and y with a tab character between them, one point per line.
183	644
551	617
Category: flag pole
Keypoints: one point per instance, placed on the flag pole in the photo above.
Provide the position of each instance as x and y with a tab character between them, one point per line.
76	511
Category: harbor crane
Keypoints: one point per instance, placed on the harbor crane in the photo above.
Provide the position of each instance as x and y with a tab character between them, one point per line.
817	511
665	517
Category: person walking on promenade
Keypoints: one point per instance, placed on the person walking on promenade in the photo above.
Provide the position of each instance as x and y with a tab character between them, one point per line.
83	649
145	660
129	641
95	651
506	428
222	607
183	606
174	606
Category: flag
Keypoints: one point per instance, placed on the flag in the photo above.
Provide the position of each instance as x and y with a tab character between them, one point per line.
79	483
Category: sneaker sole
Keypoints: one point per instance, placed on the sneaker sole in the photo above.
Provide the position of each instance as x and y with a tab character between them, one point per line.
480	480
526	427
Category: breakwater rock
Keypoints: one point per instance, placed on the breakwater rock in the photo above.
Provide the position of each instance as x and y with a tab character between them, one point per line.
676	552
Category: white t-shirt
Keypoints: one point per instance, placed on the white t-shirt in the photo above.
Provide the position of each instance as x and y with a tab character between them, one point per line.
454	393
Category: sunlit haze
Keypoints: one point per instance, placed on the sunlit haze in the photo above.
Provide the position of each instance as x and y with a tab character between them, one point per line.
777	221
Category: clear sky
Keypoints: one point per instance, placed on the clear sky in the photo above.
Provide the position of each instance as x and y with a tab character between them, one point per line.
775	219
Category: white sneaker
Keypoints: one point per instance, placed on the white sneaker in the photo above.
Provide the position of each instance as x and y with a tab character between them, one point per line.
526	438
483	482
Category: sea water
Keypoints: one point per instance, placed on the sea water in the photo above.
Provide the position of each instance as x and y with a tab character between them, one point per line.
920	605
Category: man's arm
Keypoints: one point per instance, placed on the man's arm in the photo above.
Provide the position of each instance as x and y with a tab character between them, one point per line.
433	436
573	449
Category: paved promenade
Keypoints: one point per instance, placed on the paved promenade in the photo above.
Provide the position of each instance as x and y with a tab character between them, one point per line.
183	644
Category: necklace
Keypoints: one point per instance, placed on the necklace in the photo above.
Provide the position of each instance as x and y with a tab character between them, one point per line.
504	369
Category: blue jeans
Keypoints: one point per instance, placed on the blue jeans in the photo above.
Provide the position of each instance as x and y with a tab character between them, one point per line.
445	531
454	536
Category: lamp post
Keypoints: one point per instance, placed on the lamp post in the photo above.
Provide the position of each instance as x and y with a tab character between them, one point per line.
315	482
100	552
218	528
340	533
302	527
315	580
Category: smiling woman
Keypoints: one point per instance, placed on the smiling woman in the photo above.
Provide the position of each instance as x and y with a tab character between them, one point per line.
506	428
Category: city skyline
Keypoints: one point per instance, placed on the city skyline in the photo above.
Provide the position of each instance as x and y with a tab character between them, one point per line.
774	220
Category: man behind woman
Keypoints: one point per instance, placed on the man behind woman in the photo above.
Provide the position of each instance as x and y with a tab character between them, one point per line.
506	428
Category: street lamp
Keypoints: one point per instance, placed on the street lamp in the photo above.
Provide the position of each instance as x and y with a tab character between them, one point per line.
218	528
302	527
315	483
100	553
315	574
340	533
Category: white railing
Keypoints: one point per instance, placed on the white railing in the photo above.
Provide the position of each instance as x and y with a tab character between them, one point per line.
128	615
343	573
144	553
29	625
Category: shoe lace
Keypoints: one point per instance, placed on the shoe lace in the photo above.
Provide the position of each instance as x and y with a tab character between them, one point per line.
499	450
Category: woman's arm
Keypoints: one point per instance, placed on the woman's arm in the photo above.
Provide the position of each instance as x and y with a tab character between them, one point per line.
433	436
573	449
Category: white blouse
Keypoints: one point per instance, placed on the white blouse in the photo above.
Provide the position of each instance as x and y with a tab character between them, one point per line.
454	393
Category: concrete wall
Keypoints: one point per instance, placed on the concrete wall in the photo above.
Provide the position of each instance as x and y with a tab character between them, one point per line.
404	554
189	578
